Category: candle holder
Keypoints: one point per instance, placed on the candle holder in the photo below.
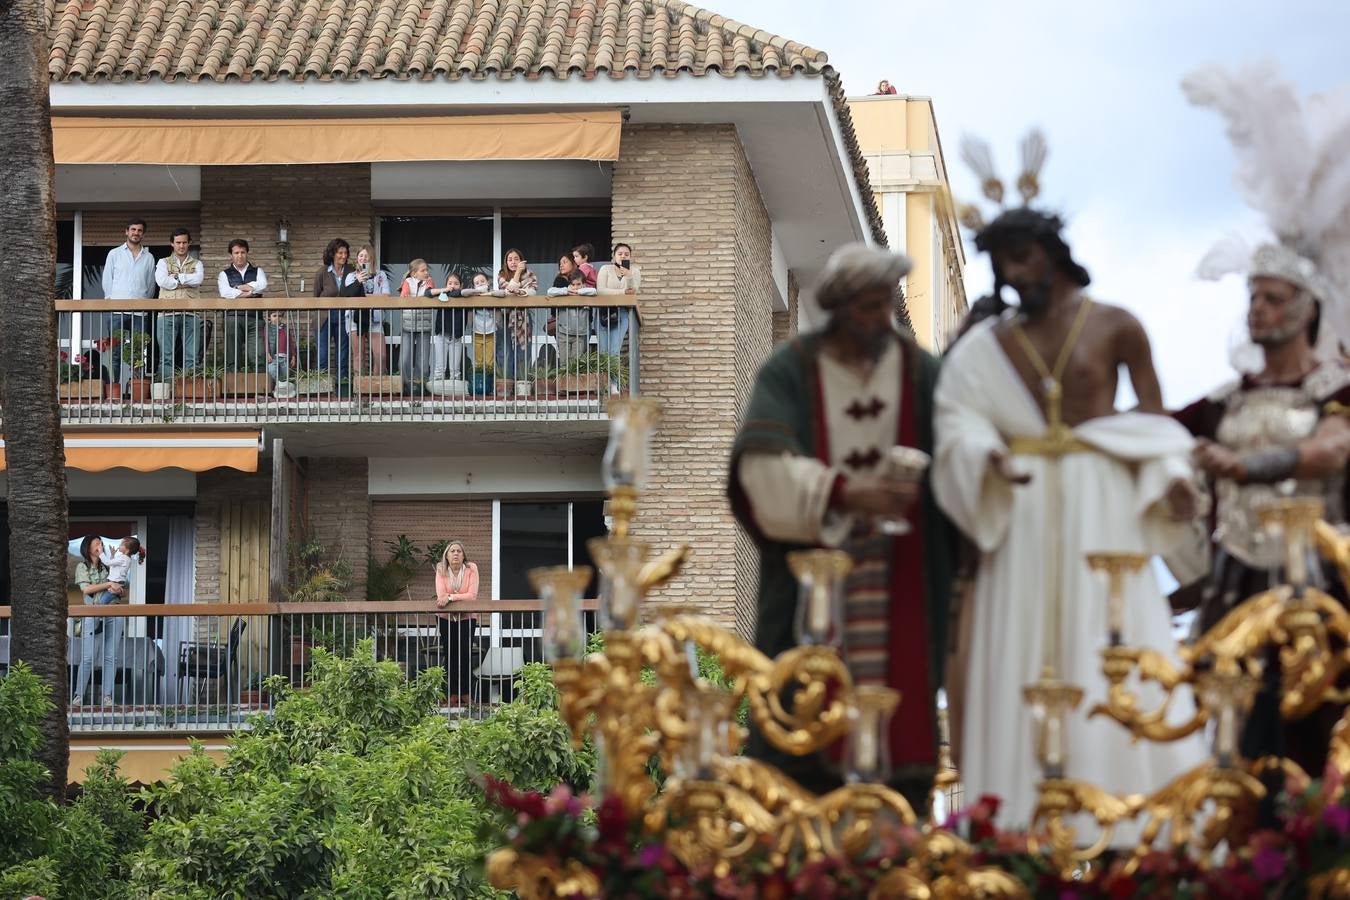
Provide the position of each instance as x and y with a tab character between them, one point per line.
1051	700
867	747
627	458
1227	692
1295	520
621	561
1118	568
562	633
820	596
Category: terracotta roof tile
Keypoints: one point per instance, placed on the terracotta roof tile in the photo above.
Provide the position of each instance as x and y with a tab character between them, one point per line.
271	40
348	40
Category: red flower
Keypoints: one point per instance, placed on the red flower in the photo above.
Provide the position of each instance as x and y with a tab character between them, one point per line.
65	355
530	804
611	820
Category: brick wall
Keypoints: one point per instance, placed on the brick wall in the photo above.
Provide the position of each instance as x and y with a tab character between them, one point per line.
338	512
785	321
108	227
320	202
682	194
215	490
428	522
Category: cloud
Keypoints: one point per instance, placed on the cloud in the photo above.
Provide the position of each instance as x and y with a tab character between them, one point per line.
1144	178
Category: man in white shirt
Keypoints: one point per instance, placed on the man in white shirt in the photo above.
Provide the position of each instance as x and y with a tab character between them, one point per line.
128	274
242	279
180	278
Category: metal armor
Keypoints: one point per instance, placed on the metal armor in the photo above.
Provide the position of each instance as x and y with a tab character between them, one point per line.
1270	418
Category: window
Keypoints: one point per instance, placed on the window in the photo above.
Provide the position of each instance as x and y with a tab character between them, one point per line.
445	241
542	237
532	535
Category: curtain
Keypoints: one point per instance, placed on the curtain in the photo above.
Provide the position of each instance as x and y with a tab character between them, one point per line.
179	582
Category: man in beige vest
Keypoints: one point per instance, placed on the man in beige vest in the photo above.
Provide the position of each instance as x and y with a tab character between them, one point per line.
180	279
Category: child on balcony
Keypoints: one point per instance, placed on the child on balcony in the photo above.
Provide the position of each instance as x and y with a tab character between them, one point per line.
571	325
484	347
119	568
282	354
417	324
447	345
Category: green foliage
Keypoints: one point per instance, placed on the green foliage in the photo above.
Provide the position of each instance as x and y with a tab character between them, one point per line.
317	576
356	787
389	579
74	851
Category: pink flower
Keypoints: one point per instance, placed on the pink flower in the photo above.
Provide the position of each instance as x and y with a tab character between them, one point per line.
1268	863
1337	818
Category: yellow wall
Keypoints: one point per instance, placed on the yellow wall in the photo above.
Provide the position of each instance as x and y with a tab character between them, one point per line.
878	127
919	282
146	759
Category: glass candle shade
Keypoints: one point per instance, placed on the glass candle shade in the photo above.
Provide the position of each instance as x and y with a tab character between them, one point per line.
710	711
1227	694
620	560
867	748
562	632
820	578
1293	520
1118	569
627	456
1050	701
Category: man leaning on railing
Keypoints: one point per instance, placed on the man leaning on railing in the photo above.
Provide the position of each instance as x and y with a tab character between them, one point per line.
128	274
179	276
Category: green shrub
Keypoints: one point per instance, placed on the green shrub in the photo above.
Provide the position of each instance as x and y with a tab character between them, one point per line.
76	851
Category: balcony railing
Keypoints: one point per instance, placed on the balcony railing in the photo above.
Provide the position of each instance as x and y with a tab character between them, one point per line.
194	668
275	360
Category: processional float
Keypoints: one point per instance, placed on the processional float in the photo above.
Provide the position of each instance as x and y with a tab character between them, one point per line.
716	806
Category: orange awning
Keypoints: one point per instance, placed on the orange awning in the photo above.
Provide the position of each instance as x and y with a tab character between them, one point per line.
152	451
255	142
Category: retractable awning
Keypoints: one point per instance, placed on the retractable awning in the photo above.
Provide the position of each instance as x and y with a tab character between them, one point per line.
152	451
255	142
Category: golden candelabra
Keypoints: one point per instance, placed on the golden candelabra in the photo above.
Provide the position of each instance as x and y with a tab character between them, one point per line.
1214	804
715	806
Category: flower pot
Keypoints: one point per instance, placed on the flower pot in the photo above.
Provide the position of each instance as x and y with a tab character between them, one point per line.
481	383
448	387
310	385
240	384
139	390
113	392
579	383
89	391
161	390
191	390
382	385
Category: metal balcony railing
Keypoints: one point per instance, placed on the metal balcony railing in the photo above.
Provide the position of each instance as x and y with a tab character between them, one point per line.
373	359
195	668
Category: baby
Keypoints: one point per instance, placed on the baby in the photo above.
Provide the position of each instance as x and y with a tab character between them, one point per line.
119	567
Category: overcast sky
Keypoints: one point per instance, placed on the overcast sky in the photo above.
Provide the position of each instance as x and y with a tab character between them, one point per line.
1144	178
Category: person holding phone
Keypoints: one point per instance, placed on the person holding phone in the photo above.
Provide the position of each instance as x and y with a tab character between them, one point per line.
618	277
365	327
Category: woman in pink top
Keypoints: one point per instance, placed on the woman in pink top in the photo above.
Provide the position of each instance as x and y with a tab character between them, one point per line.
457	581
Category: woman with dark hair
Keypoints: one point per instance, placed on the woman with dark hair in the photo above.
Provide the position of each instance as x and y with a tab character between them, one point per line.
91	576
336	279
457	582
513	325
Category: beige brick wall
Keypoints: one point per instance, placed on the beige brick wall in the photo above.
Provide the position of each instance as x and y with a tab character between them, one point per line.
215	489
320	202
337	512
685	197
785	321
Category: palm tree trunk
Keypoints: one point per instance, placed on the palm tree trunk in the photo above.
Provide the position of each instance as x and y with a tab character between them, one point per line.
34	453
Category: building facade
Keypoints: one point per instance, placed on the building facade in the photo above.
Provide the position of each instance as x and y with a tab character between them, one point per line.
899	138
451	132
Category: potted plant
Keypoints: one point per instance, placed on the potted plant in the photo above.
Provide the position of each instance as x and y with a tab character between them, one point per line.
312	383
202	383
254	696
390	580
585	374
136	353
81	380
481	382
379	385
248	381
317	578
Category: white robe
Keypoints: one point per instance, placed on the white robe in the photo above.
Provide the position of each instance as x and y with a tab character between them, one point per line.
1111	501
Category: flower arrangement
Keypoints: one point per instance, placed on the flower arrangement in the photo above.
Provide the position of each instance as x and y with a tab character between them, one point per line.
80	367
598	852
